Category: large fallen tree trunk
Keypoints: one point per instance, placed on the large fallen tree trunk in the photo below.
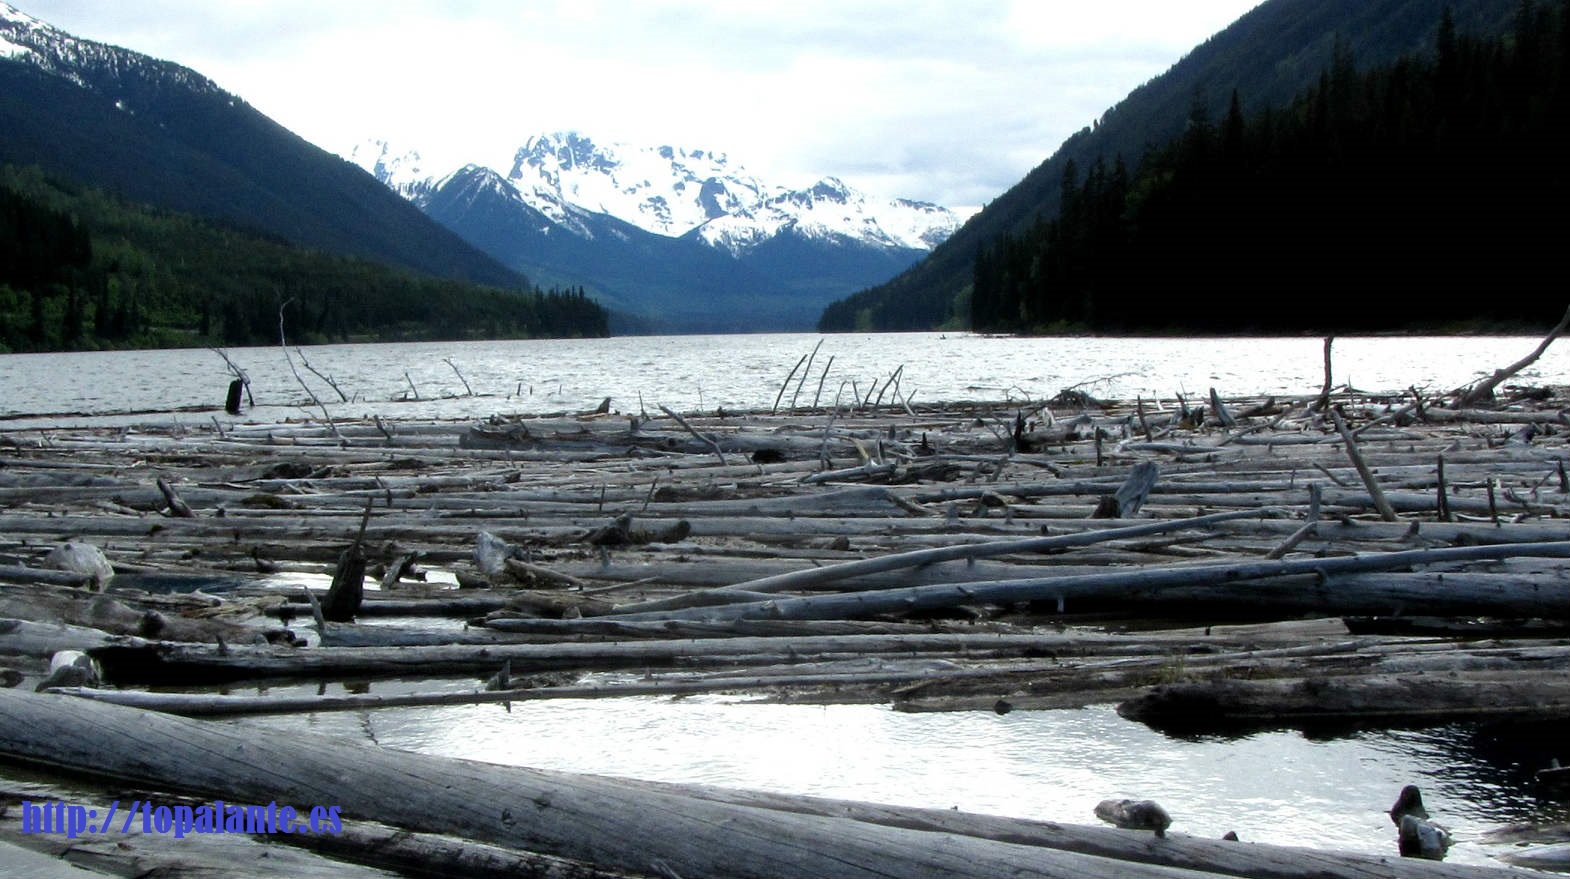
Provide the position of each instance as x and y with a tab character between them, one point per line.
811	577
1112	584
1208	705
168	662
596	820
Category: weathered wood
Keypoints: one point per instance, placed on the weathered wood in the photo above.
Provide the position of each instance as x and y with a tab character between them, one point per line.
1483	390
1402	698
1363	471
813	577
27	638
165	661
863	604
592	819
126	614
1258	860
24	574
1130	496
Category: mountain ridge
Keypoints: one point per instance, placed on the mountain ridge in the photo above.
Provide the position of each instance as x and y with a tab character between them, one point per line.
163	134
651	221
1268	55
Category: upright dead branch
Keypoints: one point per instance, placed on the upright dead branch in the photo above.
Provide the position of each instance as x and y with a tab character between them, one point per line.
1324	393
283	343
326	378
1484	390
1381	504
468	391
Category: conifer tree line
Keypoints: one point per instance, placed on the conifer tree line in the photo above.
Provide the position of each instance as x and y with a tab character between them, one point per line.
81	269
1424	194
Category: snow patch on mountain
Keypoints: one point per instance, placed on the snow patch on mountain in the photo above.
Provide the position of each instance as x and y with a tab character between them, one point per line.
665	190
675	192
403	172
24	38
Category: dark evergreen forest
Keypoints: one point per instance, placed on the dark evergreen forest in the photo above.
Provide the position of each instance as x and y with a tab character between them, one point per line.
1424	194
81	269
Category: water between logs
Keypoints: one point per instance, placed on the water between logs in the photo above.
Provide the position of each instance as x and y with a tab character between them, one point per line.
1326	789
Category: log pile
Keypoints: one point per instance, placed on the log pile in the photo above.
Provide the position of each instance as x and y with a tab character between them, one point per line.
1252	561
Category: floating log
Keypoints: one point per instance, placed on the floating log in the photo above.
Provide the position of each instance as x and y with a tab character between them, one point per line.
1387	698
586	818
164	662
817	576
863	604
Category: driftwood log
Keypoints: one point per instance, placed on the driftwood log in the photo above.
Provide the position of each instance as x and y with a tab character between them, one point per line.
613	824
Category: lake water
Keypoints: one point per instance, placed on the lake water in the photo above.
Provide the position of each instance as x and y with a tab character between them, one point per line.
689	373
1278	786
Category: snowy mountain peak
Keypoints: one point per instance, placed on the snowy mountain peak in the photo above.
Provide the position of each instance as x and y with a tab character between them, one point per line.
664	189
676	192
96	66
403	172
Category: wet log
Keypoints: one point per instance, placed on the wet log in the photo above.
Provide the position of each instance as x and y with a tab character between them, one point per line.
1387	698
125	615
213	705
592	819
1252	859
165	662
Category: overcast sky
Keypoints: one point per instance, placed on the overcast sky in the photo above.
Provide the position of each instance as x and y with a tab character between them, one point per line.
951	102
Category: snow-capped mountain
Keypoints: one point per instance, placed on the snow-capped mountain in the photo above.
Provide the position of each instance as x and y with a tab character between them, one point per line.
637	225
673	192
156	132
404	173
86	63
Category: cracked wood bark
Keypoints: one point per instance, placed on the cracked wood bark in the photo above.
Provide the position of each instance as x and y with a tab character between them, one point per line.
586	818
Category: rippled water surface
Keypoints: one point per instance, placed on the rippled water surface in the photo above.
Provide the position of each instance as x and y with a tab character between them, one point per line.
468	379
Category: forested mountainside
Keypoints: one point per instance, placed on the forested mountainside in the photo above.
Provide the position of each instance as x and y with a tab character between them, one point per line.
1428	193
80	268
1268	58
158	133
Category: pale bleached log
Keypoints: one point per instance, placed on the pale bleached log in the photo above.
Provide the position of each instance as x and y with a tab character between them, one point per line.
591	819
1114	583
25	574
433	855
814	577
28	638
1259	860
609	626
